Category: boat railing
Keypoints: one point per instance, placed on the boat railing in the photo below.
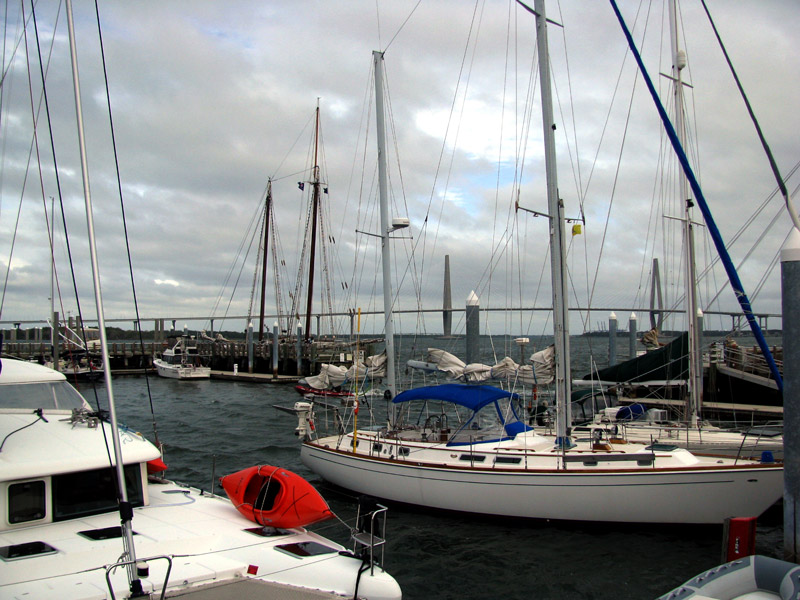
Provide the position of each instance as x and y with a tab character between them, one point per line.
747	360
142	569
370	529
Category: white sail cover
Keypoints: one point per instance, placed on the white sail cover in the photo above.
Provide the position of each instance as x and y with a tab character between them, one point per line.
541	371
331	376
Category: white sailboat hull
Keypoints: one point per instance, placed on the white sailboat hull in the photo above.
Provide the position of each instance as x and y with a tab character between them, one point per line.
680	495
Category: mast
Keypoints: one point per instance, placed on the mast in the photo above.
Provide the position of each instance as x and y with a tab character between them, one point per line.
267	208
695	390
558	253
125	508
386	229
314	212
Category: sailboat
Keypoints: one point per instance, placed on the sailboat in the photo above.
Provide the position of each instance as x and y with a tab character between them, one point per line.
490	462
679	364
82	521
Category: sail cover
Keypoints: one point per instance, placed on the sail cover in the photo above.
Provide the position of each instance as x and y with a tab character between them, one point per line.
539	372
331	376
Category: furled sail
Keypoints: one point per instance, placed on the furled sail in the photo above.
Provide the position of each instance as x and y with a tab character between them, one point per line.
539	372
334	376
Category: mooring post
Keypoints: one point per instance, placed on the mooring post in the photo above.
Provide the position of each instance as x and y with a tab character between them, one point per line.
790	300
632	327
700	326
473	327
275	350
250	347
299	349
612	339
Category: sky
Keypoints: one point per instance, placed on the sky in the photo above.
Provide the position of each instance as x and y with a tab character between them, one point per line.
210	100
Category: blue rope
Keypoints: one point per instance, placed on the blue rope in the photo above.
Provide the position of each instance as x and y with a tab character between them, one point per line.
733	276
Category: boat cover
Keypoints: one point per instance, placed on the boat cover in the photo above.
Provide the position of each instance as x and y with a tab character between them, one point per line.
473	397
541	371
668	363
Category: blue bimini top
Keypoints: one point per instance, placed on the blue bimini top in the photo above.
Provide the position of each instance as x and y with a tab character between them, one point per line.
474	397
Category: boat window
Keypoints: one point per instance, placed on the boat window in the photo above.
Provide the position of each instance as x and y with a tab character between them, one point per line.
377	447
26	501
507	460
472	457
93	492
403	451
18	551
48	395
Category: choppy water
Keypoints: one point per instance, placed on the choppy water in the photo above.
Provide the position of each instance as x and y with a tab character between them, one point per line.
432	555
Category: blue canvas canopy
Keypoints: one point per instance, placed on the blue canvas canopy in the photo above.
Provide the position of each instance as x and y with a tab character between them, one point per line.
473	397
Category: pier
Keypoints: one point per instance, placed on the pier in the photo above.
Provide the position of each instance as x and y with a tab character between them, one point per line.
233	360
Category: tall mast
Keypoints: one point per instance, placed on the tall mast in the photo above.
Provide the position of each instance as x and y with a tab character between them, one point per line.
695	350
125	509
377	59
314	212
267	209
557	246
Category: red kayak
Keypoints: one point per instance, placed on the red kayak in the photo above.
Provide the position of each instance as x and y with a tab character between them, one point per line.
275	497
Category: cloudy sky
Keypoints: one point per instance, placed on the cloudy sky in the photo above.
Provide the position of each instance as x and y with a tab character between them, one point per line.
212	99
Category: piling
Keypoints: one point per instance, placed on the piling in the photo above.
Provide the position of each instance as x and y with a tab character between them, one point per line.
299	349
612	339
250	347
790	300
275	349
473	327
632	336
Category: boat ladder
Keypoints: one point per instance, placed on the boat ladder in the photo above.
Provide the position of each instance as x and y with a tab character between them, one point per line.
370	530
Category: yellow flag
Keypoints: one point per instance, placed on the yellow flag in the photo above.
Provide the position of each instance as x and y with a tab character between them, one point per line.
576	229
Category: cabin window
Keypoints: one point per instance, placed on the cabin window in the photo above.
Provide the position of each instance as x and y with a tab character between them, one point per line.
507	460
472	457
55	395
26	501
377	448
403	451
93	492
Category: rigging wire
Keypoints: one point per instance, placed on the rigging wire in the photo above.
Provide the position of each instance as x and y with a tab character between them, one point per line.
124	220
773	165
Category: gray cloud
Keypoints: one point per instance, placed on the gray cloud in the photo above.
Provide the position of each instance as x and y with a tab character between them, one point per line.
210	100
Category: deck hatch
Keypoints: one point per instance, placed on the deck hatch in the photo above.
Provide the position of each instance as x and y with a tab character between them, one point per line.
106	533
26	550
304	549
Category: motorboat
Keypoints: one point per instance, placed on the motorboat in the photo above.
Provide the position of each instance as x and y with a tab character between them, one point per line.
182	361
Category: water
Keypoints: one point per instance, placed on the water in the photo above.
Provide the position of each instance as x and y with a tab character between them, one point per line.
432	555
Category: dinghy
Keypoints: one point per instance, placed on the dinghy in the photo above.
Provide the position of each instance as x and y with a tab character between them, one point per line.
749	577
275	497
